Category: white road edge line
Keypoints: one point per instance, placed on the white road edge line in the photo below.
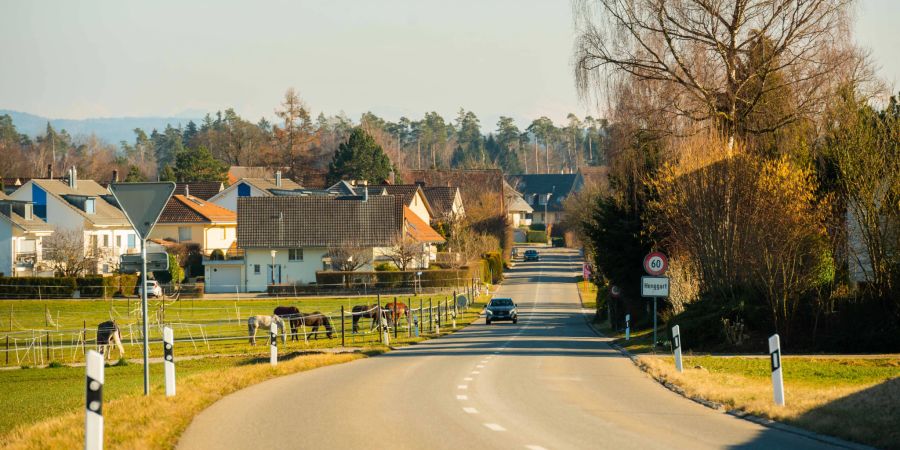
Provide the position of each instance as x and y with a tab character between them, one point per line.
462	386
468	379
475	372
462	397
470	410
535	447
494	427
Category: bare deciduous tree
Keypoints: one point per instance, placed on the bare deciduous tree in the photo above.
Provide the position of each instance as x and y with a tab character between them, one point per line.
405	252
720	61
66	252
349	257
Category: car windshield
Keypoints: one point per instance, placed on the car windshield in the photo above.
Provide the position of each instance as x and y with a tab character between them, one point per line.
531	252
501	302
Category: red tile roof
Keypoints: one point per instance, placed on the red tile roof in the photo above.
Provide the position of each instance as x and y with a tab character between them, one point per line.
190	209
418	229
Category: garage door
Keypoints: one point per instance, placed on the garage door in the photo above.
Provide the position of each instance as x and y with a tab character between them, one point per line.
223	279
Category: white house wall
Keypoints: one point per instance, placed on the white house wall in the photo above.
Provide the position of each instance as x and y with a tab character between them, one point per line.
228	198
292	272
6	248
417	206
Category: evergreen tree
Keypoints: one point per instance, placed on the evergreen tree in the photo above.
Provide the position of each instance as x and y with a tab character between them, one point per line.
134	175
360	158
198	164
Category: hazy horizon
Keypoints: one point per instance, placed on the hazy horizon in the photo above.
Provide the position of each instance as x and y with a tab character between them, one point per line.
394	58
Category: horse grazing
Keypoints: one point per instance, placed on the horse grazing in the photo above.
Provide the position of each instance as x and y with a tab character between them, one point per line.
365	311
108	335
394	311
316	320
254	322
292	315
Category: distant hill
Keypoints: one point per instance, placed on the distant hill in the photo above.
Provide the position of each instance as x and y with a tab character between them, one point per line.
112	129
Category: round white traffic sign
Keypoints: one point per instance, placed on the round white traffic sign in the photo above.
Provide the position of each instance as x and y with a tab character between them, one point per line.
656	263
615	291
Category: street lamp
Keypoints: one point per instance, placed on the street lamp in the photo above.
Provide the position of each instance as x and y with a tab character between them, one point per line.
273	253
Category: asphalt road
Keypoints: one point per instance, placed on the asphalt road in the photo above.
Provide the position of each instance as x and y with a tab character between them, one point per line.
548	382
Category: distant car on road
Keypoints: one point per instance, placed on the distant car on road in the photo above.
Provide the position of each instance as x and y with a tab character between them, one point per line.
532	255
501	309
153	289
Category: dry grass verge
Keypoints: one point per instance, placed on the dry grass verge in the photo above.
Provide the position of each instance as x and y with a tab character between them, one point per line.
155	422
854	399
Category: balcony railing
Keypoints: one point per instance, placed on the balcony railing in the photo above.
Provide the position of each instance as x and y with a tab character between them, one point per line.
223	254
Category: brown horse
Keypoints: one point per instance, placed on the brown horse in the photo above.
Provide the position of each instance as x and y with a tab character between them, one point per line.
292	315
395	311
316	320
365	311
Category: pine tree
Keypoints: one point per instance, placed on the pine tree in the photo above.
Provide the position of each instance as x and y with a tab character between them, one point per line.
360	158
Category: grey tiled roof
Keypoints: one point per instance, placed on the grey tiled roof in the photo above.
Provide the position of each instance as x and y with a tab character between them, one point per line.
201	189
441	199
539	185
317	221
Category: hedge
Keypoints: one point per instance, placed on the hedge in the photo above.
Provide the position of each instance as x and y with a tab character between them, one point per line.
388	279
537	227
65	287
492	267
536	236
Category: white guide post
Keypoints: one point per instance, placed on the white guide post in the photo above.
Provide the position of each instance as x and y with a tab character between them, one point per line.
676	347
627	327
93	414
169	362
273	344
777	377
385	335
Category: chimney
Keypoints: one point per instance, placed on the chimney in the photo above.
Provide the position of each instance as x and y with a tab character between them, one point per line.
50	171
115	178
277	178
73	178
187	190
366	193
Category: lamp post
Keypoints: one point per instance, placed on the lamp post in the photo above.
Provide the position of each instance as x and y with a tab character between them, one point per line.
273	253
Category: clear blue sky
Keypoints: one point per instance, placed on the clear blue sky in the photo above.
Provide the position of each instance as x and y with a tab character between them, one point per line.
397	57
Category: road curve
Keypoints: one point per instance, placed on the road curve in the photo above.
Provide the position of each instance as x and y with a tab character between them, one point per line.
546	383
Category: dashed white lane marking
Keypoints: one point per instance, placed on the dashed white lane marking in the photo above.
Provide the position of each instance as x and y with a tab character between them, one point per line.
480	366
462	386
495	427
470	410
535	447
484	361
468	379
475	372
462	397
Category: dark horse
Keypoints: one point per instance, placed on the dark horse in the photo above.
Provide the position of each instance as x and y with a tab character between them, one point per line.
316	320
291	314
365	311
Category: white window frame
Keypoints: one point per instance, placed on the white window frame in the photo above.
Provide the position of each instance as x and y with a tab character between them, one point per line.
292	254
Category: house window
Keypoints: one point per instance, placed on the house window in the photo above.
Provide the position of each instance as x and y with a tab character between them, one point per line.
295	254
106	240
132	241
93	241
119	241
106	268
184	234
256	269
89	206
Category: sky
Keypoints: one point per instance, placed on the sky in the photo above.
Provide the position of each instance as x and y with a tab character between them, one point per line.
392	57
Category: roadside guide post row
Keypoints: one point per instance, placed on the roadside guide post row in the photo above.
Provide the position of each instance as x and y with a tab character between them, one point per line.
93	402
169	360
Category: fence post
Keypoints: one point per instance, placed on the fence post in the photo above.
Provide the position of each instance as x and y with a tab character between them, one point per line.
409	317
379	314
83	336
273	344
169	360
47	334
7	350
93	402
396	318
627	327
430	315
342	325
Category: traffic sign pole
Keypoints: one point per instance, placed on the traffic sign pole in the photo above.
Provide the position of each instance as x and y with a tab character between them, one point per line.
144	313
654	322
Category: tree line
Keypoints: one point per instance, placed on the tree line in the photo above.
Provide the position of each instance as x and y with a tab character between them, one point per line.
298	143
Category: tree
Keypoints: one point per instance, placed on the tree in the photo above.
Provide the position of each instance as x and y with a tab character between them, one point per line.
692	52
404	252
349	257
67	254
198	164
134	175
360	158
295	135
543	131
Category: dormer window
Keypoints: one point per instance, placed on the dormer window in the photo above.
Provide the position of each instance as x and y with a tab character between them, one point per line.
89	206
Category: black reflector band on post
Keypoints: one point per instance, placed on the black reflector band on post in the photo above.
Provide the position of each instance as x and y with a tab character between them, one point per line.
94	396
169	352
776	360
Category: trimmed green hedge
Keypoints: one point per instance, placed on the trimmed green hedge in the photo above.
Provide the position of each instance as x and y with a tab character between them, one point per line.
536	236
65	287
392	279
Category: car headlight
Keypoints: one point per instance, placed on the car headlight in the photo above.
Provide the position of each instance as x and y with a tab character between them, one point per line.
488	312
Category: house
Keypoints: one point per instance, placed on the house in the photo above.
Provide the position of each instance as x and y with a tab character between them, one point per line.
481	190
518	211
411	195
21	239
446	202
287	239
252	187
545	193
204	190
83	204
188	219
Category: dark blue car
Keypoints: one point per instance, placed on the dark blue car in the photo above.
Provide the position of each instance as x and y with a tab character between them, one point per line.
532	255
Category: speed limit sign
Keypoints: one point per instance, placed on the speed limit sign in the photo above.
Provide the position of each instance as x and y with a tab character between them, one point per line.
656	263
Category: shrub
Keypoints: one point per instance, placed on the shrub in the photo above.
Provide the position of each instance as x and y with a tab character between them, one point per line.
493	267
37	287
537	227
385	267
536	237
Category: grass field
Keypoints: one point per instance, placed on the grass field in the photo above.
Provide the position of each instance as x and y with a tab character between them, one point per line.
847	397
54	418
201	327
